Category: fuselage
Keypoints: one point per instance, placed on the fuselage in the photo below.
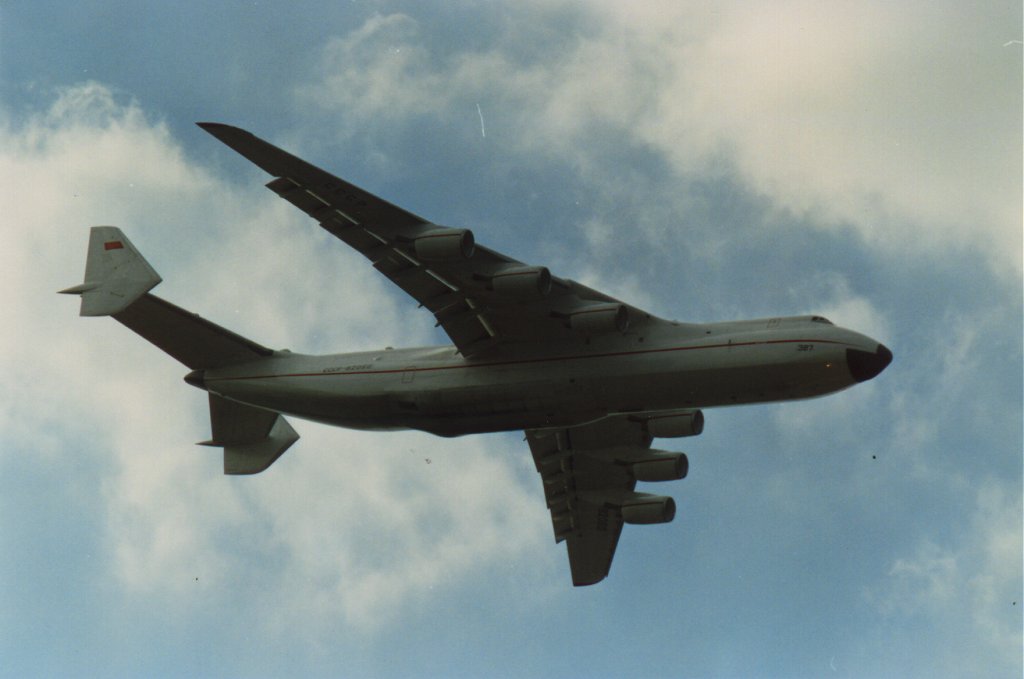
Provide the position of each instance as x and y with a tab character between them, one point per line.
674	366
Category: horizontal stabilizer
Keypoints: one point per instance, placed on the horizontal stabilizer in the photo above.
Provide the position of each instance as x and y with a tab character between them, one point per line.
252	438
193	340
115	274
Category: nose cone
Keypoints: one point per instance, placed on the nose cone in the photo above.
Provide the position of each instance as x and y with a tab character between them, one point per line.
865	365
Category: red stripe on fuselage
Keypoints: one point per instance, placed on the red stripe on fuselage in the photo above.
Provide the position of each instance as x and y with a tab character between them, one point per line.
524	361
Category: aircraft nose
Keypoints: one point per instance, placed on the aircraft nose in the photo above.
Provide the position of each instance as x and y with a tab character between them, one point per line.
864	365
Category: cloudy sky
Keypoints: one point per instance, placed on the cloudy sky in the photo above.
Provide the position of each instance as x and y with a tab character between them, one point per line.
706	161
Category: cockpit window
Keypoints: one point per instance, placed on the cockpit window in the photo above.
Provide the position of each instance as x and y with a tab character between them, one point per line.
821	319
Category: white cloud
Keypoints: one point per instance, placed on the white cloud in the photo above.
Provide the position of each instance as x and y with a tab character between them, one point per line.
901	121
367	522
380	69
831	295
969	588
364	528
862	112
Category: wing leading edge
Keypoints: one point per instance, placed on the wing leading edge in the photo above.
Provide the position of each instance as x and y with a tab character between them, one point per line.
479	297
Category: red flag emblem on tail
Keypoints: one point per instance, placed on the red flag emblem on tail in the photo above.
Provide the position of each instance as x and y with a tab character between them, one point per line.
113	245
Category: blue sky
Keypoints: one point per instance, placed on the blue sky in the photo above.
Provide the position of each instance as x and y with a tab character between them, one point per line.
705	162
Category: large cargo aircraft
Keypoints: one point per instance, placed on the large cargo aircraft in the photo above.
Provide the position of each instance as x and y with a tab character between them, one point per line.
590	379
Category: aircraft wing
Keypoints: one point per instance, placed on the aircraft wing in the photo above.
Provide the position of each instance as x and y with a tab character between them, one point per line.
480	297
588	487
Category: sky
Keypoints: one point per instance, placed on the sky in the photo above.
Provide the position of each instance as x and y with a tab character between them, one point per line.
704	161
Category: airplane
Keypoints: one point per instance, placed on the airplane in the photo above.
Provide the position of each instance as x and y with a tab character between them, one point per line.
591	380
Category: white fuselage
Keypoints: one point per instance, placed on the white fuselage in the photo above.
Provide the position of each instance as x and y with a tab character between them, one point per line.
435	389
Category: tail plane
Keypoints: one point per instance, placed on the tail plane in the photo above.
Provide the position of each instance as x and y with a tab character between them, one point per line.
252	438
117	283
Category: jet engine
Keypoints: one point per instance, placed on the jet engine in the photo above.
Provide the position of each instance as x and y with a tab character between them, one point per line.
644	508
600	318
675	424
445	243
522	282
661	465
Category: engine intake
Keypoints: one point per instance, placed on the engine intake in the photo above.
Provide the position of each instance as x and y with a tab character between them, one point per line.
600	318
661	465
445	243
522	282
675	424
644	508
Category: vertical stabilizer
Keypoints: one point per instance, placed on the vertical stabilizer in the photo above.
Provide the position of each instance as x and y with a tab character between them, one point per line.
115	274
117	283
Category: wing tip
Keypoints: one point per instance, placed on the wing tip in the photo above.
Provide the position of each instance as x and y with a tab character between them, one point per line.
220	130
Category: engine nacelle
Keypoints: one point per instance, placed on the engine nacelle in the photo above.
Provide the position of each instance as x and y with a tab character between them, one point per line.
644	508
670	425
444	243
522	282
600	318
661	465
